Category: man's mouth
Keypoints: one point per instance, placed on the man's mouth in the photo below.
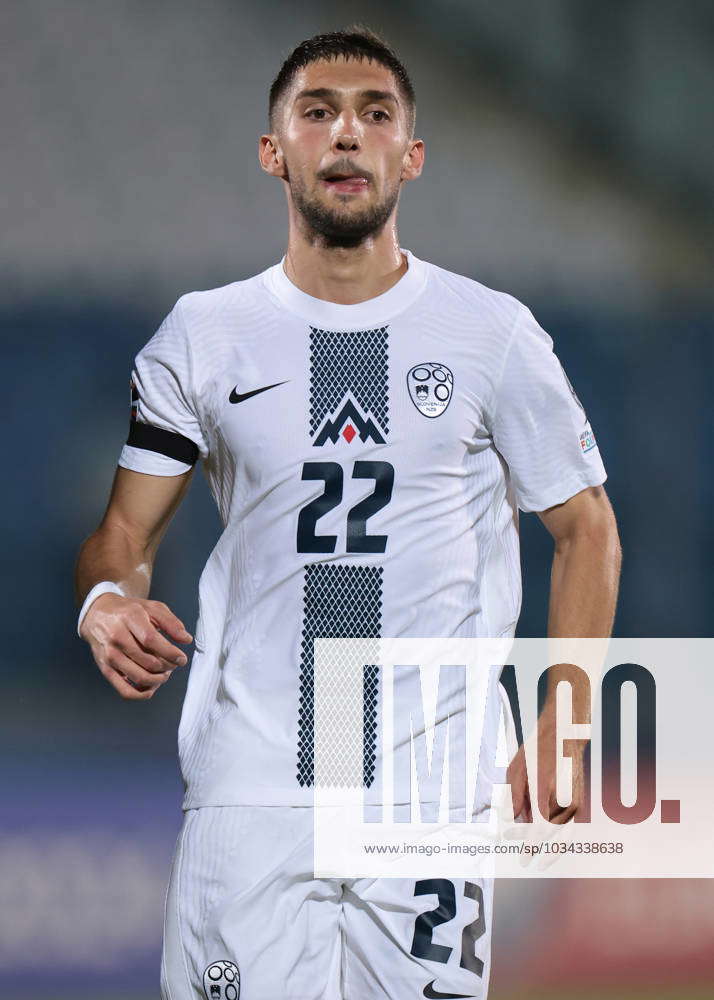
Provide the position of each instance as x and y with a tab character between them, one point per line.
346	183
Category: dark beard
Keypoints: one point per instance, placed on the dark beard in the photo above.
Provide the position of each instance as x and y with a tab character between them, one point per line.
337	230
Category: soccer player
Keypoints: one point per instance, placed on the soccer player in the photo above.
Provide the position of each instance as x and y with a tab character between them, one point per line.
369	424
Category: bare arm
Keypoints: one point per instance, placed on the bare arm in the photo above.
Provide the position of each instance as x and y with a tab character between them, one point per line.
584	580
583	594
586	566
125	633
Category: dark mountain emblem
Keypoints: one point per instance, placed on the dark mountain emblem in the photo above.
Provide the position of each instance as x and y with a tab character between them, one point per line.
430	385
347	423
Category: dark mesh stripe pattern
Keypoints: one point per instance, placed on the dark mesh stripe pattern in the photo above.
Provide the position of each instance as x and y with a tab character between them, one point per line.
354	362
339	602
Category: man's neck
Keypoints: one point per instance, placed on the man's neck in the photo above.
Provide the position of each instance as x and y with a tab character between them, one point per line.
345	275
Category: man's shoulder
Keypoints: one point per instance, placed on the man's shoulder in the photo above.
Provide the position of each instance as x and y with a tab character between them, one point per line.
211	302
473	294
472	299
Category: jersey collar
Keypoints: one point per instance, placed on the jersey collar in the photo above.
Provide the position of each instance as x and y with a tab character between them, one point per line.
372	312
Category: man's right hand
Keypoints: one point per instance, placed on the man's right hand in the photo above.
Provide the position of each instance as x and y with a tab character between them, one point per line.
125	636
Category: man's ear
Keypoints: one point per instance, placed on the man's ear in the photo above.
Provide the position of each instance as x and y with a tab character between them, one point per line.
413	160
270	156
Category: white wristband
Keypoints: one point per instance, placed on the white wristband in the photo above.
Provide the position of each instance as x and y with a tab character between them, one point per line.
105	587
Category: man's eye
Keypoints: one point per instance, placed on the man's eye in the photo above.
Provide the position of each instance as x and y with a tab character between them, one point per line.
385	116
316	111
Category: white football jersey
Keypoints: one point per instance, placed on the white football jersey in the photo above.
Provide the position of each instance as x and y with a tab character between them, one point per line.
368	462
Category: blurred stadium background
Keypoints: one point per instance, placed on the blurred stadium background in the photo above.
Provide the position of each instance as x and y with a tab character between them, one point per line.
570	161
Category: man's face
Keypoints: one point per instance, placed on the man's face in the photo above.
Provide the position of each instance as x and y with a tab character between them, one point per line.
344	134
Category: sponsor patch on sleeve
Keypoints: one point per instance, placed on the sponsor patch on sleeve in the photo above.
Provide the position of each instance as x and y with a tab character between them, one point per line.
587	440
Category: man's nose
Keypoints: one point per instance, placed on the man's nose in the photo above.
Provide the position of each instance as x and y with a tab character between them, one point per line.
346	143
346	135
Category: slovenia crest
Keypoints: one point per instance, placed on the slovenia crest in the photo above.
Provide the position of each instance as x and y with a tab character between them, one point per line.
221	981
431	386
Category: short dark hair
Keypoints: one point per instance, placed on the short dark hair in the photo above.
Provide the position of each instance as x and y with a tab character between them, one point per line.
356	42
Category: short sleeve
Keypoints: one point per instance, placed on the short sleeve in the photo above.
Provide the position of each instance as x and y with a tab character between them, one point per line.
165	436
539	425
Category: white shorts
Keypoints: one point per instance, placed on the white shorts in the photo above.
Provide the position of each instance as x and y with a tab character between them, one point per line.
246	920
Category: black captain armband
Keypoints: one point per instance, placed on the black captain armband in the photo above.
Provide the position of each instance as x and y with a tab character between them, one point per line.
167	443
156	439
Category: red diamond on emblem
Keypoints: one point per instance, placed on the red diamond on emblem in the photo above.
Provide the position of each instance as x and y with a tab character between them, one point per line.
348	433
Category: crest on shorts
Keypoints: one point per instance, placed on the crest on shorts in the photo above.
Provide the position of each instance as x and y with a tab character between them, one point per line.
431	386
221	981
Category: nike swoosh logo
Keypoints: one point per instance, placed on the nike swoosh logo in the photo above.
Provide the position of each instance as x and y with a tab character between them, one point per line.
238	397
433	994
